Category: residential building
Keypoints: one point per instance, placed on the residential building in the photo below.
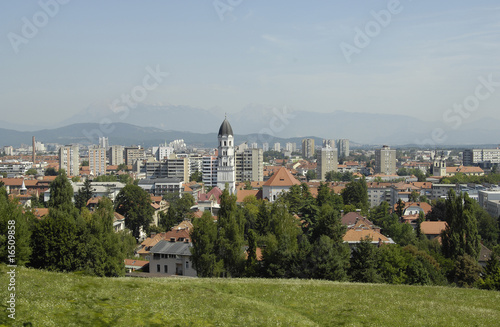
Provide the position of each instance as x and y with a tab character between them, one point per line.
171	258
343	148
291	147
226	174
277	147
8	150
249	165
15	168
307	148
330	143
265	146
169	168
385	161
209	171
162	152
440	191
97	161
481	157
378	193
133	154
69	159
327	160
116	155
279	183
160	186
104	142
254	145
195	164
469	171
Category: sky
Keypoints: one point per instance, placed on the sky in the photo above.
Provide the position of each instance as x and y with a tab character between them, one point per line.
417	58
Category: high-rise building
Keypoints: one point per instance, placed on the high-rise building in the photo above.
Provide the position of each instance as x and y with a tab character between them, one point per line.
104	143
307	148
482	157
97	161
343	147
291	147
249	165
116	155
329	143
265	146
327	161
132	154
277	147
177	168
8	150
385	161
254	145
209	173
162	152
69	159
226	174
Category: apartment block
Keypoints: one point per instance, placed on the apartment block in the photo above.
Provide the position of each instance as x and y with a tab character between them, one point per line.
307	148
132	154
97	161
250	165
69	159
343	147
209	171
116	155
327	160
385	161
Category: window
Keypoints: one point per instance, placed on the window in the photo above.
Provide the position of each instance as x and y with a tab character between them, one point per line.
187	264
165	269
225	143
157	268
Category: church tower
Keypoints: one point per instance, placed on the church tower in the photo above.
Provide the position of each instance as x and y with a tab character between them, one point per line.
439	166
225	158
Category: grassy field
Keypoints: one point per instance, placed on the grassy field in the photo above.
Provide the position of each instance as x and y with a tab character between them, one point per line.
55	299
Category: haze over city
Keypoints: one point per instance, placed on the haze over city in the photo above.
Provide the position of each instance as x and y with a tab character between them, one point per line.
416	58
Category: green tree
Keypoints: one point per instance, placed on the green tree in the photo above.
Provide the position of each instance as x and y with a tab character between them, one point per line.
230	226
414	196
329	224
179	209
61	192
491	278
84	194
204	237
467	270
196	177
311	174
51	171
85	163
460	236
122	167
134	204
252	265
356	193
392	264
420	220
400	207
330	259
31	171
15	231
363	263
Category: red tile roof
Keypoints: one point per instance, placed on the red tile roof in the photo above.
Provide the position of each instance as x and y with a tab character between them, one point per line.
282	178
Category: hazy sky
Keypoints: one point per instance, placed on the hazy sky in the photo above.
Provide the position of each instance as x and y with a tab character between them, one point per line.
420	57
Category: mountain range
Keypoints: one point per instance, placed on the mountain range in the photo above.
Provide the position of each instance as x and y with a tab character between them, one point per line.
150	125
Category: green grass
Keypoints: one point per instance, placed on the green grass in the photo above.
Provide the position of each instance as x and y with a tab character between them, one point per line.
56	299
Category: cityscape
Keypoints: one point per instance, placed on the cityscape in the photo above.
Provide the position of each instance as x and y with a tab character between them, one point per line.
245	163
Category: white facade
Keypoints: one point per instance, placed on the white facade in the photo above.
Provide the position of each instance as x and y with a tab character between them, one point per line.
209	171
226	173
171	258
116	155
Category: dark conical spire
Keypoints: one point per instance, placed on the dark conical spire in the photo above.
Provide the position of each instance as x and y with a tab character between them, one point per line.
225	128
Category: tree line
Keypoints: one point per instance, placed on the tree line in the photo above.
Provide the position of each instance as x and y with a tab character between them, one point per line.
302	237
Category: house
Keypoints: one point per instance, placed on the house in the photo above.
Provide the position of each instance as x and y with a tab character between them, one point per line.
172	258
432	229
466	170
118	222
209	201
133	265
242	194
363	230
279	183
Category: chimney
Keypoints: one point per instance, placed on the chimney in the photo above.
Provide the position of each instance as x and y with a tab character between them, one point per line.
34	151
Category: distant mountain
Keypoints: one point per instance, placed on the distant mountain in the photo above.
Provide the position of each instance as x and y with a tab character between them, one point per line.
148	124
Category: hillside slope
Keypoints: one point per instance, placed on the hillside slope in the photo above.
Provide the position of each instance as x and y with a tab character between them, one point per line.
56	299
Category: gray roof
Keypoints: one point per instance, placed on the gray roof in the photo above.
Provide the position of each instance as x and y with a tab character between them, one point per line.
150	181
225	128
165	247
